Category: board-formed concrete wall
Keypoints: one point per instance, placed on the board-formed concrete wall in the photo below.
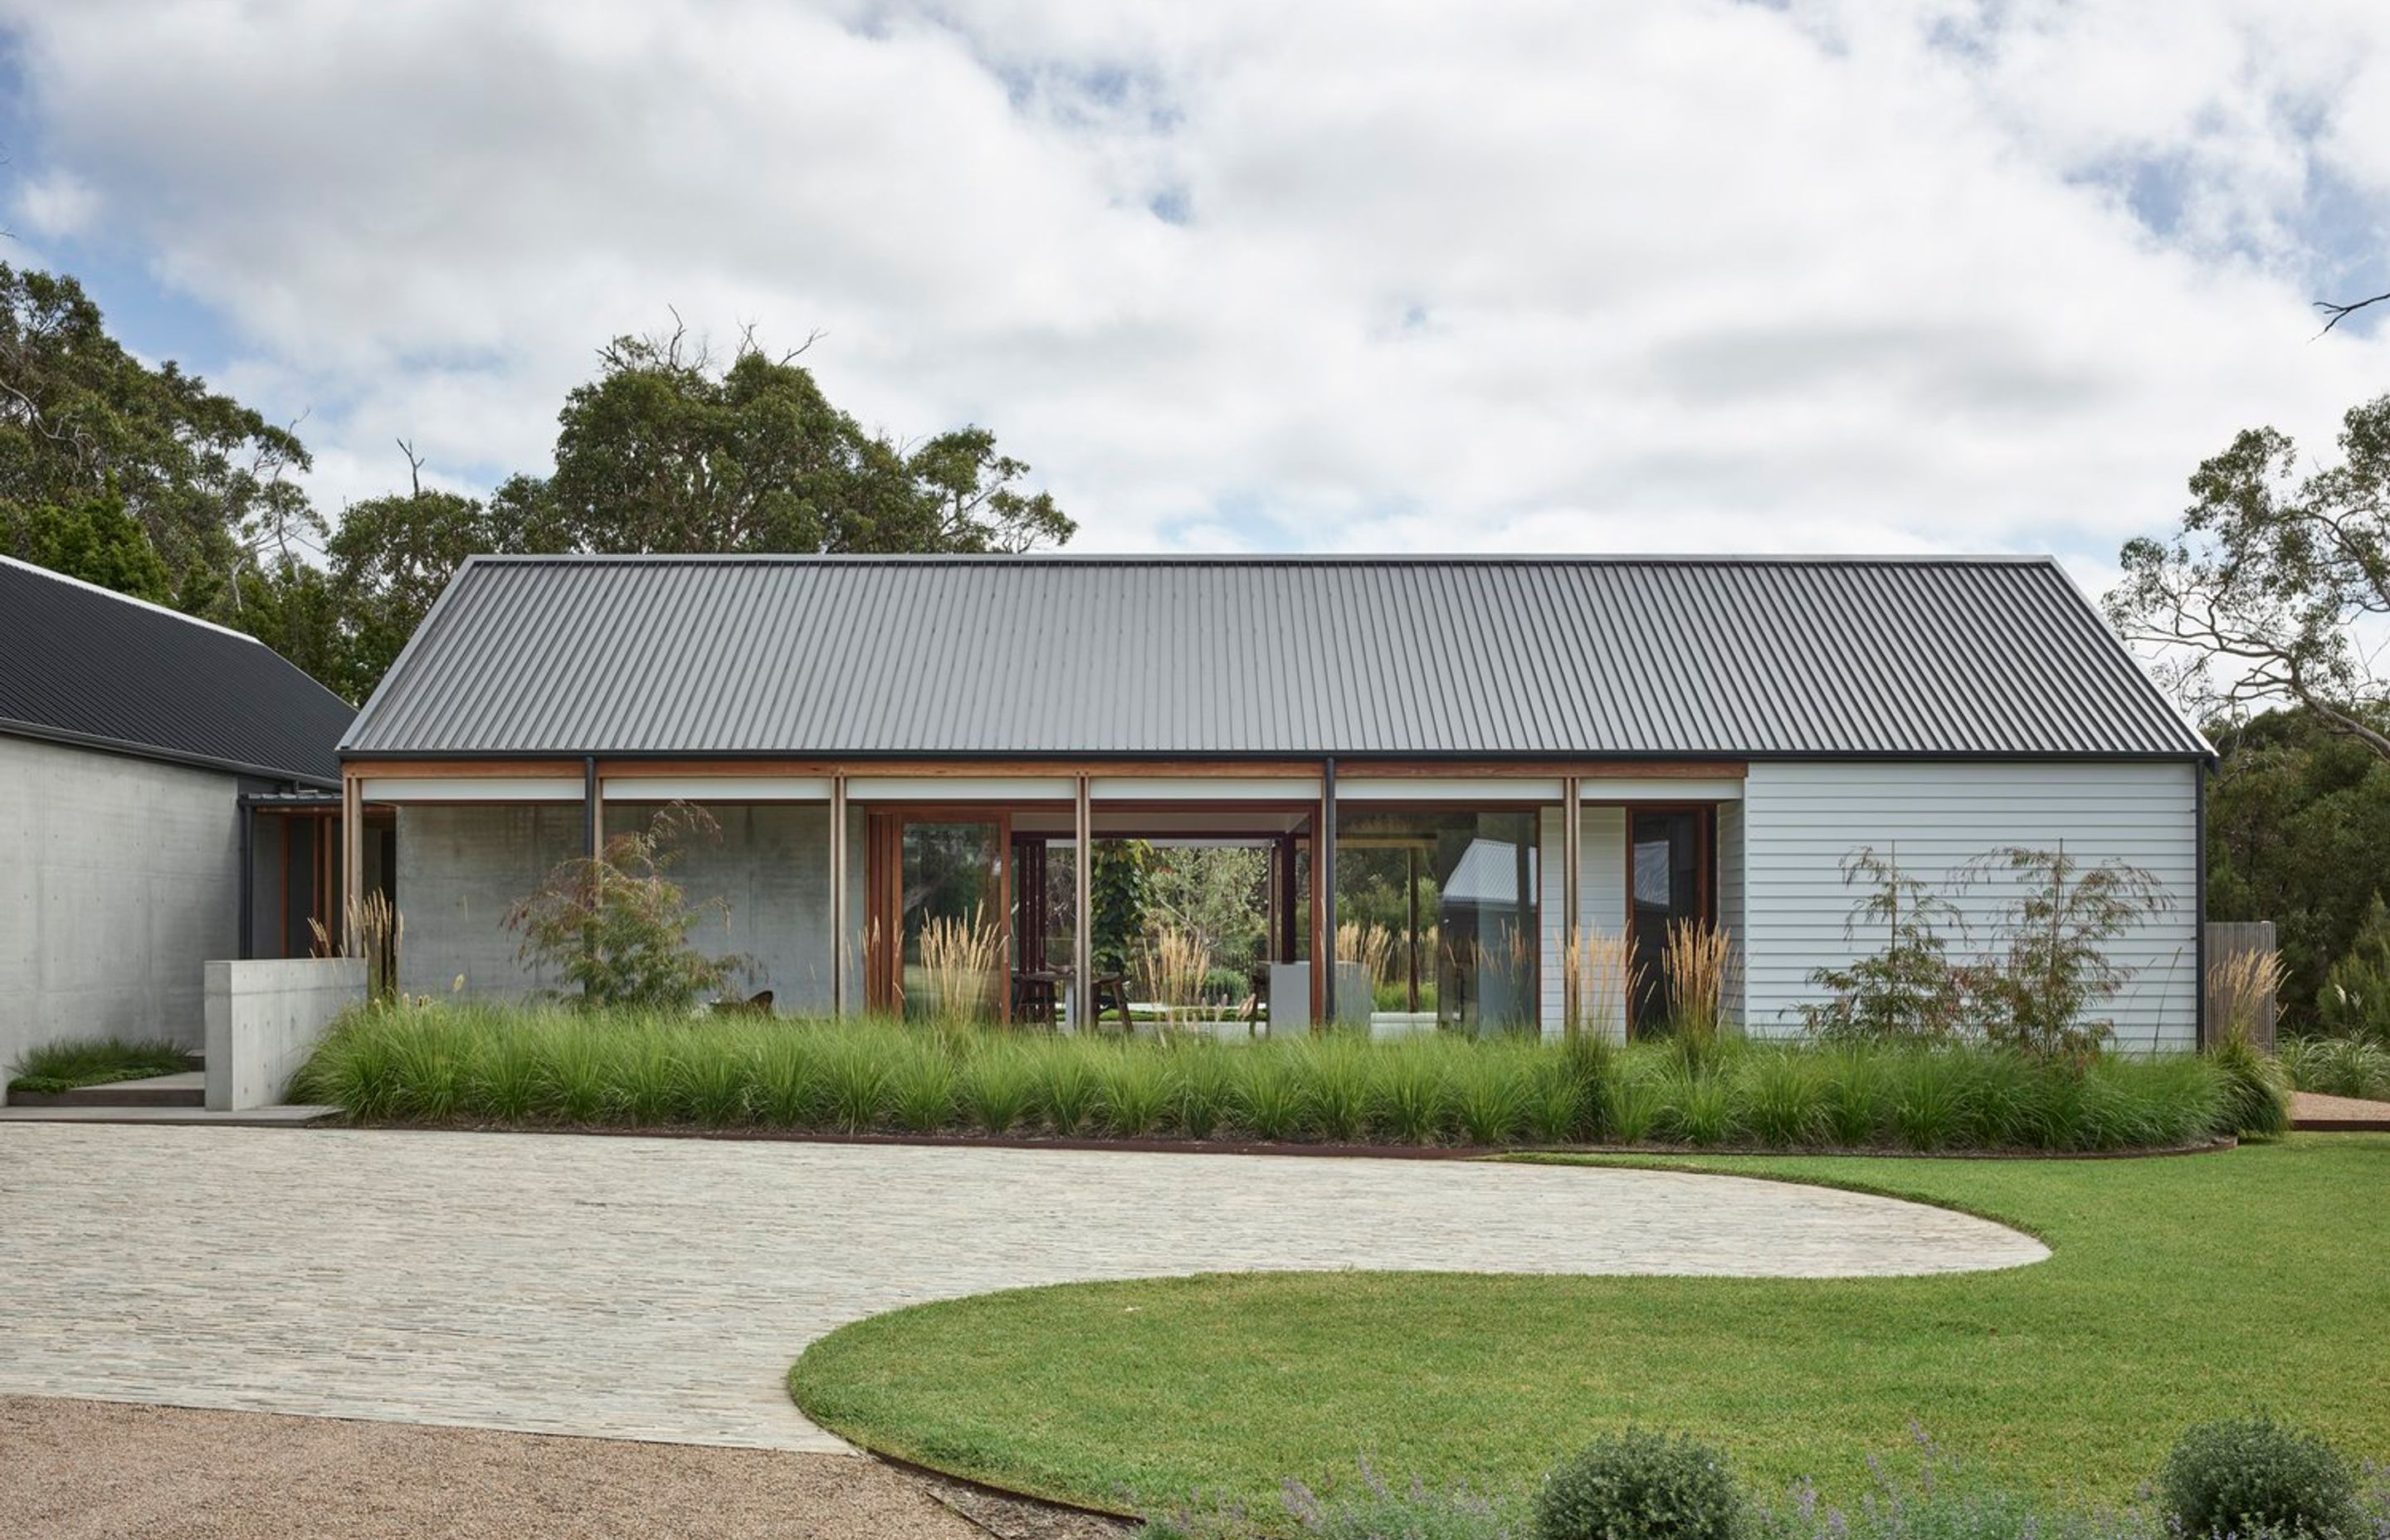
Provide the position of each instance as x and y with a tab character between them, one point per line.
118	879
770	872
264	1017
460	869
462	866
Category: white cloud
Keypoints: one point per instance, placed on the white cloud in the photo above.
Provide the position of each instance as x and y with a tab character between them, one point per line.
1550	276
56	204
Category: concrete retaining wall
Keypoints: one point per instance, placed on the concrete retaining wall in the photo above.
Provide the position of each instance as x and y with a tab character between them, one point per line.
264	1017
119	877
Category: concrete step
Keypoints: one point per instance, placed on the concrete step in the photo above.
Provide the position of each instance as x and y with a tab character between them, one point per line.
262	1117
187	1089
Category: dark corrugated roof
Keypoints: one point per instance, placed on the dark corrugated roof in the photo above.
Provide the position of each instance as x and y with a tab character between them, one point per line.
80	664
1291	655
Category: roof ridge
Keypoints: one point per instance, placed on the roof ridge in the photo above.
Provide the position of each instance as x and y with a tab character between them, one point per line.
169	611
1270	558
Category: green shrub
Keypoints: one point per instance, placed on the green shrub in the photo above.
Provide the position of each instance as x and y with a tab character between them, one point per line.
1488	1093
2336	1066
1929	1100
1271	1096
922	1089
1201	1093
1133	1090
1637	1485
1336	1087
1783	1094
1633	1104
2354	999
1069	1092
2256	1091
1411	1094
2252	1475
1000	1089
857	1086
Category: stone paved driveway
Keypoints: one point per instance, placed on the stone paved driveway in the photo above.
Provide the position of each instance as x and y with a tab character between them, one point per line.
659	1289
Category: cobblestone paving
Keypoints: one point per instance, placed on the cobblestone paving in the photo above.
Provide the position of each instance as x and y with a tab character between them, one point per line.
660	1288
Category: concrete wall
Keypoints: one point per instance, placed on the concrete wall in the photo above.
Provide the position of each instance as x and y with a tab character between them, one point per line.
460	869
771	867
262	1017
1800	820
118	879
462	866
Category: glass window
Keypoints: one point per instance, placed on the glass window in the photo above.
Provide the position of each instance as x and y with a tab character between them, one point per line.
950	887
1437	919
1666	852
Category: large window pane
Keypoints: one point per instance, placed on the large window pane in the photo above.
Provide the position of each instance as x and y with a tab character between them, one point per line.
1667	862
1436	909
949	880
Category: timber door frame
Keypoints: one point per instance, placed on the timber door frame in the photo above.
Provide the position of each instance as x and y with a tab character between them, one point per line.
883	951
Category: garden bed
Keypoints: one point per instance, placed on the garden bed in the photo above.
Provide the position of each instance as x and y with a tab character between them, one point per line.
57	1068
482	1066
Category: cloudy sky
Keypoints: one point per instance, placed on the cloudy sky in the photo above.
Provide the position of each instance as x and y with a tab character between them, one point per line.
1263	276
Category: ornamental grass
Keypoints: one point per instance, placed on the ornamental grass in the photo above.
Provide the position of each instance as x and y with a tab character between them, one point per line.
470	1064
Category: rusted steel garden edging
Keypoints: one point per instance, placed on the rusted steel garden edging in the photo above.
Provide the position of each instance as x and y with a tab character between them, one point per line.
1225	1147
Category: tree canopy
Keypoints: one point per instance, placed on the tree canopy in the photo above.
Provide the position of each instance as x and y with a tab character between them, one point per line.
85	426
2276	586
145	481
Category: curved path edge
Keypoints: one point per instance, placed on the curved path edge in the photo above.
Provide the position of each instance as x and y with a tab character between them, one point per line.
660	1288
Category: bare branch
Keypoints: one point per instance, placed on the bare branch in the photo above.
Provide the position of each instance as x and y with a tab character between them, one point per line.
2336	313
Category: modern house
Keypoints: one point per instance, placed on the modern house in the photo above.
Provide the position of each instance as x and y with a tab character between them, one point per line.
1542	747
143	754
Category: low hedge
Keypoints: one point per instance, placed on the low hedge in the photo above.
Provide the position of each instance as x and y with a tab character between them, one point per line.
481	1065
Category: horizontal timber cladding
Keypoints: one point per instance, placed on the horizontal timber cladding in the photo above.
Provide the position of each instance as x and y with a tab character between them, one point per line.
1800	820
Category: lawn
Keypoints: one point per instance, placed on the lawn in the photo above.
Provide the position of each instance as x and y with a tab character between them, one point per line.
2179	1289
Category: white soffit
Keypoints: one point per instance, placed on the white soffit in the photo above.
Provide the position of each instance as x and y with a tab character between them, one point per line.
474	789
1601	788
1203	788
960	788
1447	788
717	788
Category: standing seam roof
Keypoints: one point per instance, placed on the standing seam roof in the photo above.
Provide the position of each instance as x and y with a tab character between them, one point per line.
1465	656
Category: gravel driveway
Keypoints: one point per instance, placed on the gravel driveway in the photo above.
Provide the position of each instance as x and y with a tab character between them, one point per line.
659	1289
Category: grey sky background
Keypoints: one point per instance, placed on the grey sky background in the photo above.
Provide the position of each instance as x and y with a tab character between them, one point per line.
1324	276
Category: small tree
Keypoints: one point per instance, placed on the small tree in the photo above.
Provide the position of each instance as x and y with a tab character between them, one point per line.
1909	990
2049	971
618	926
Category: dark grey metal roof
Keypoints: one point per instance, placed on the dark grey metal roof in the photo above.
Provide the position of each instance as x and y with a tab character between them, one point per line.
80	664
861	656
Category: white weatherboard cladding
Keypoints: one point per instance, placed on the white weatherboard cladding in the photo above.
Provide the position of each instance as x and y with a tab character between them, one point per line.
1802	818
1732	907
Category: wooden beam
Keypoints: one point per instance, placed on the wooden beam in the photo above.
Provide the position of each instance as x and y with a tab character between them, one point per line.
490	769
838	917
352	844
1572	874
1082	956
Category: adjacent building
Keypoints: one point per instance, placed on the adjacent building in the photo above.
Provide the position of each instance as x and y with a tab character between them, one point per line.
136	747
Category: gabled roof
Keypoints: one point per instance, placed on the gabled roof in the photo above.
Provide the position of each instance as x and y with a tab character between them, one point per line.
1417	657
81	664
